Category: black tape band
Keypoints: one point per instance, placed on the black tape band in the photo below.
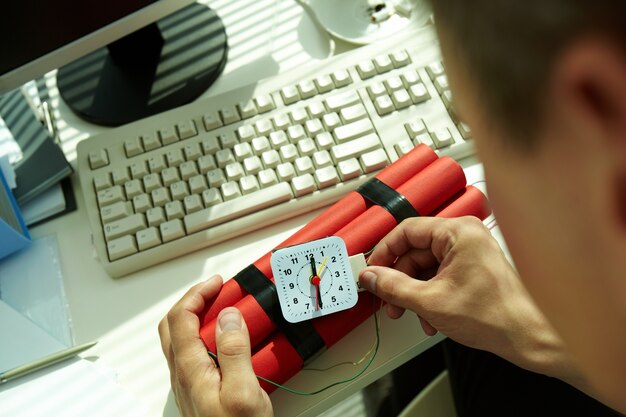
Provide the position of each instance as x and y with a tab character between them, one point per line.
302	336
383	195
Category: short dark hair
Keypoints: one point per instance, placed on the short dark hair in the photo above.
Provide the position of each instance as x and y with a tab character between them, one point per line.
509	47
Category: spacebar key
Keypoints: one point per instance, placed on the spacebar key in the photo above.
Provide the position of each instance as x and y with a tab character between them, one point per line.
229	210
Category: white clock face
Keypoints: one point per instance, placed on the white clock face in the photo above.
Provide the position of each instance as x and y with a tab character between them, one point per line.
313	279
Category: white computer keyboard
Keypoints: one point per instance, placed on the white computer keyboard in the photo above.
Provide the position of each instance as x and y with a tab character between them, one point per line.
220	167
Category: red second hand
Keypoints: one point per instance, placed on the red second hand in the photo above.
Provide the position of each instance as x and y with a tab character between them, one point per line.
316	281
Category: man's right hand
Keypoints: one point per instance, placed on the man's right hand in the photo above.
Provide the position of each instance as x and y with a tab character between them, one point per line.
466	289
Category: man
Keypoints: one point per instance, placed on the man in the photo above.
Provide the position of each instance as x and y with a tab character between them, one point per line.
543	86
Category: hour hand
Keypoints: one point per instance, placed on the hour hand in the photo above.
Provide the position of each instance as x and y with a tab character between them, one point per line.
313	267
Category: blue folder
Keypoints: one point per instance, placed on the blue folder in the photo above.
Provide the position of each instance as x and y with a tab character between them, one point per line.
13	232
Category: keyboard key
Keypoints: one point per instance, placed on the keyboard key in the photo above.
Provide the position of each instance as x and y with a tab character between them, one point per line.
313	127
446	97
227	140
216	178
230	190
142	203
375	160
110	195
125	226
249	184
415	128
306	147
419	93
383	63
188	169
98	159
242	151
295	133
102	181
304	184
260	145
434	70
264	103
384	105
252	165
355	147
155	216
271	158
299	116
148	238
403	147
331	121
409	78
234	171
192	203
392	84
211	197
324	83
160	197
376	90
341	78
304	165
122	247
353	113
186	129
138	169
133	147
116	211
197	184
210	145
150	141
441	83
179	190
192	151
174	157
156	164
224	157
170	176
348	169
425	139
120	176
281	121
324	141
267	178
245	133
263	127
366	69
290	94
167	135
288	153
172	230
339	101
285	171
353	130
229	210
174	210
206	163
401	99
322	159
442	138
229	115
132	188
211	121
307	89
400	58
316	110
465	131
327	176
247	109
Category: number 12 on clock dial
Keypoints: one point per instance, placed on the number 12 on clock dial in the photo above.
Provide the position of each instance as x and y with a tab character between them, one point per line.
313	279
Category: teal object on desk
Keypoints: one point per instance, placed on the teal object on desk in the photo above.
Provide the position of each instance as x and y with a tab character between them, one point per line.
13	231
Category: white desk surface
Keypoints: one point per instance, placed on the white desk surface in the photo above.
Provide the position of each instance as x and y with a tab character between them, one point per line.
266	37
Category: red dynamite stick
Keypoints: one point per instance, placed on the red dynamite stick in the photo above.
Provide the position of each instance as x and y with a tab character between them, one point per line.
278	361
327	223
426	191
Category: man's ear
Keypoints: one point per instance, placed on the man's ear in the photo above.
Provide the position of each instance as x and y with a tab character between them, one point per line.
589	84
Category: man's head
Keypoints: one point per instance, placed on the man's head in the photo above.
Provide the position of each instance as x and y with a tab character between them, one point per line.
543	86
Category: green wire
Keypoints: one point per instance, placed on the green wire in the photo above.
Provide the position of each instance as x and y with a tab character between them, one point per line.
345	381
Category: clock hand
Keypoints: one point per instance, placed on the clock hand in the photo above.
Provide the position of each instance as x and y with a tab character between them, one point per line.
313	267
322	267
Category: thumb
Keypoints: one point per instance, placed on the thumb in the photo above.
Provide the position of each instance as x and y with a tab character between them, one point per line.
233	351
394	287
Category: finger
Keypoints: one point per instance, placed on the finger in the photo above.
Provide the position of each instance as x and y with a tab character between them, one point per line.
427	327
166	346
394	287
415	261
184	328
233	353
394	312
411	233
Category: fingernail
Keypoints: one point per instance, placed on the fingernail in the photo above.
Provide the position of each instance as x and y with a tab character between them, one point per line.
368	280
213	278
230	319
